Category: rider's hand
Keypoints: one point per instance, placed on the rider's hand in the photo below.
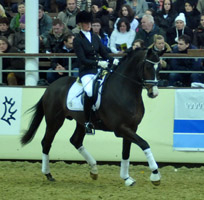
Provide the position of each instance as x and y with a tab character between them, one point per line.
115	61
103	64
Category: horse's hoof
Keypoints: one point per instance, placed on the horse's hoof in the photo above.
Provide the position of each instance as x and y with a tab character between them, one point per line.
129	181
155	179
93	176
49	177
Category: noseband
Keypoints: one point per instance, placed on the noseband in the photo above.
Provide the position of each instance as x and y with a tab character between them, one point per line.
151	82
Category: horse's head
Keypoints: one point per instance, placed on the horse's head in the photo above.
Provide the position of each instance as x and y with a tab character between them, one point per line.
150	73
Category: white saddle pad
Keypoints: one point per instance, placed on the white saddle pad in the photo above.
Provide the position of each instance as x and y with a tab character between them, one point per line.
74	97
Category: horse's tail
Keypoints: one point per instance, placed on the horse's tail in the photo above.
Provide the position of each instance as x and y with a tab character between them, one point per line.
34	123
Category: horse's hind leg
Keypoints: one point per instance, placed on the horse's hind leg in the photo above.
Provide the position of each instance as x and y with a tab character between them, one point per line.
47	140
77	140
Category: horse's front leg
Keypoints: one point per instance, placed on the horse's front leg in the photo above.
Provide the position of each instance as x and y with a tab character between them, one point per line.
124	166
77	140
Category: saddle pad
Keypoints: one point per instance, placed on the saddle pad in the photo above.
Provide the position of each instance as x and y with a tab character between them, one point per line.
74	97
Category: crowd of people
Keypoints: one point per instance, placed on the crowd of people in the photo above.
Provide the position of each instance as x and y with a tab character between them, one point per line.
123	25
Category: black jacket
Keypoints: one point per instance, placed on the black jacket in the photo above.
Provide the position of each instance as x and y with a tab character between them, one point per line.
88	53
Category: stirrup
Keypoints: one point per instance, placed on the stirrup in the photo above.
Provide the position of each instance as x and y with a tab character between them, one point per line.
88	128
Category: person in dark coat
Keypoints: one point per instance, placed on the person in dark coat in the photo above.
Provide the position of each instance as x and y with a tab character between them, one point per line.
11	78
177	30
198	39
88	48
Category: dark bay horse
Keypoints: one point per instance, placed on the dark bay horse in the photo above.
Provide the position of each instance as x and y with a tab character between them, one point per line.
121	111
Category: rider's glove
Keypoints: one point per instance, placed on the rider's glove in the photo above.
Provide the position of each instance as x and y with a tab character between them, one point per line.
115	61
103	64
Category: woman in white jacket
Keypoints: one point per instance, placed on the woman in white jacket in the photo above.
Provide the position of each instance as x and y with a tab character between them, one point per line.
122	37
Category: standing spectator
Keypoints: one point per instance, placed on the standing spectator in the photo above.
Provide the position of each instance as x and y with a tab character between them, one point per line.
68	16
96	28
165	17
148	29
62	63
139	7
176	79
56	37
127	12
177	30
45	25
19	36
198	39
5	30
200	6
192	15
11	78
15	24
122	37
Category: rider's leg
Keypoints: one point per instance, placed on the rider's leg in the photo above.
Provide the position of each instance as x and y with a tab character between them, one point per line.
87	82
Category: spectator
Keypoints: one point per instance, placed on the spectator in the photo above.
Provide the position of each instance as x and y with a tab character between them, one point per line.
56	37
101	13
192	15
138	44
177	30
165	17
11	78
15	24
62	63
198	39
200	6
96	28
127	12
179	5
139	7
46	4
148	29
61	4
19	36
45	25
122	37
68	16
178	79
5	30
3	13
160	46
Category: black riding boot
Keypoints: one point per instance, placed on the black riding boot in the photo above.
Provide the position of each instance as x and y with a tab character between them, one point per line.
87	111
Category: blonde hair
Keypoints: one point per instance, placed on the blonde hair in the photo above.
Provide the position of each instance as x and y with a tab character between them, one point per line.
158	37
2	11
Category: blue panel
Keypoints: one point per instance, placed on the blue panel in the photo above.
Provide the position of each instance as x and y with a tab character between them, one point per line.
188	141
188	126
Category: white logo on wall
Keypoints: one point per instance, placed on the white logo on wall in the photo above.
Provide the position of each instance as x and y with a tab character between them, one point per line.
10	110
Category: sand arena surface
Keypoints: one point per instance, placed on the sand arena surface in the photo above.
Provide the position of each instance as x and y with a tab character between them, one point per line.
24	181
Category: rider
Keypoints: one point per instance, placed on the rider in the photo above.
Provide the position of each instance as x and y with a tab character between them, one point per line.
88	48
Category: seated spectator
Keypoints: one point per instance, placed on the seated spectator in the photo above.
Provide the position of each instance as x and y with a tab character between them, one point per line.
5	30
45	25
150	11
101	12
19	36
139	7
165	17
3	13
96	28
11	78
160	46
68	16
192	15
122	38
177	30
138	44
46	4
198	39
62	63
127	12
15	24
56	37
148	29
61	4
184	64
200	6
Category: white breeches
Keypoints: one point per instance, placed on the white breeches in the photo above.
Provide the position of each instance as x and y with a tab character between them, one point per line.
87	82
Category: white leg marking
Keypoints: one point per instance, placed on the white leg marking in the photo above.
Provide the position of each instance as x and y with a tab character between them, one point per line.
45	164
151	161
